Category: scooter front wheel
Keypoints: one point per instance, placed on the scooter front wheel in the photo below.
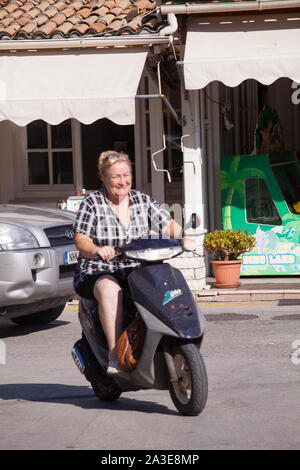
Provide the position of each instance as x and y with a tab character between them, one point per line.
189	393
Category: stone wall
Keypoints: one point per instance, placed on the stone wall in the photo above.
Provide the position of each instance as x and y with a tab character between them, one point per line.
192	267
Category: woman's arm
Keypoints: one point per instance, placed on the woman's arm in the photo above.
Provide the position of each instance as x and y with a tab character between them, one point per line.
89	250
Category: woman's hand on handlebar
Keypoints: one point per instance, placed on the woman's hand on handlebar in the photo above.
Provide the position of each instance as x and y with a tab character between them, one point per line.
188	244
105	252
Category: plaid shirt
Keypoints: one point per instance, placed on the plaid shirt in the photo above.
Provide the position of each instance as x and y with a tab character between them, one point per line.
97	220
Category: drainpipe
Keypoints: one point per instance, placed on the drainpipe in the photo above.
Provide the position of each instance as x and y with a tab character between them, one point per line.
260	5
173	26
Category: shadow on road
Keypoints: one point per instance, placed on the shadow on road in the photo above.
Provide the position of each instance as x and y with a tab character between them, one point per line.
76	395
9	329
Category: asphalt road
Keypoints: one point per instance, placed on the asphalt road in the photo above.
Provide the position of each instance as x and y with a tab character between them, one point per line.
252	355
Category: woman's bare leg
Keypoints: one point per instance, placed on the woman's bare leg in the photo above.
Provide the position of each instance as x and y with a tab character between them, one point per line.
109	295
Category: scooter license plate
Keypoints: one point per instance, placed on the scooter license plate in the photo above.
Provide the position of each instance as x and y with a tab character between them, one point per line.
71	257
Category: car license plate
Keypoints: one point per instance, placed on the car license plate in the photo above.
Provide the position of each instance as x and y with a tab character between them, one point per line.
71	257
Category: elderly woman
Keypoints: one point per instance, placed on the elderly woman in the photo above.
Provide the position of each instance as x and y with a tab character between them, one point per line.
108	218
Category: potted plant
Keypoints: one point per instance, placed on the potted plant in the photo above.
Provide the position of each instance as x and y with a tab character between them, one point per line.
227	246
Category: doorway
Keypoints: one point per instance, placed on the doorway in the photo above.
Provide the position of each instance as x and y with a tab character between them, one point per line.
98	137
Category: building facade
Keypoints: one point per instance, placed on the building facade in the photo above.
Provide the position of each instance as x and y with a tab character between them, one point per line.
143	77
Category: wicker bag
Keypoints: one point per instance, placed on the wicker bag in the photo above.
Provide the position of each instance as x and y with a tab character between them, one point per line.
130	345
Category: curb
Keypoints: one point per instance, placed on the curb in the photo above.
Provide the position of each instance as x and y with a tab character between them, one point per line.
243	295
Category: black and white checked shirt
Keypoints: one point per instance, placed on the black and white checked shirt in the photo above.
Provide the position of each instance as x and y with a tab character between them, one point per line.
97	220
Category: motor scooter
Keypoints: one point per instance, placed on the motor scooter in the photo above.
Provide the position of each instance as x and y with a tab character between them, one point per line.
170	358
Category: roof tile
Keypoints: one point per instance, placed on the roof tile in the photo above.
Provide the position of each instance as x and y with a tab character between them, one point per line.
116	25
116	11
10	7
91	19
48	28
13	28
34	12
101	11
43	5
29	27
108	18
60	5
6	21
81	28
77	5
84	12
68	11
59	18
16	14
134	24
65	27
50	12
41	19
27	6
98	27
24	19
32	19
73	19
142	4
123	4
109	4
92	4
132	13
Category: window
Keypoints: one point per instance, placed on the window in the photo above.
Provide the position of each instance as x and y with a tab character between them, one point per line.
260	207
287	176
49	154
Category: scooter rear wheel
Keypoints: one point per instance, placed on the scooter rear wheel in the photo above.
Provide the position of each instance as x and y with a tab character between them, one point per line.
189	394
103	386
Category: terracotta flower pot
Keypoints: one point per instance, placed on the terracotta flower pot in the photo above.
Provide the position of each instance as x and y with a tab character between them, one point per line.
227	273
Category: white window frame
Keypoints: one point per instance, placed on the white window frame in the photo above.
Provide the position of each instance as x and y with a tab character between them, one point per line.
48	190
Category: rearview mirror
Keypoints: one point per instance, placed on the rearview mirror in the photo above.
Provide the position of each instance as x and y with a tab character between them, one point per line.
194	222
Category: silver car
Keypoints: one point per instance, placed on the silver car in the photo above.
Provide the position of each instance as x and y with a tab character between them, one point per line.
37	261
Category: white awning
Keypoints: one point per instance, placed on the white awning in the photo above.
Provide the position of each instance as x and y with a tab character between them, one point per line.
232	49
84	85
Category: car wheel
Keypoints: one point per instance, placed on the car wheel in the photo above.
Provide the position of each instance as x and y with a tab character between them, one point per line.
40	318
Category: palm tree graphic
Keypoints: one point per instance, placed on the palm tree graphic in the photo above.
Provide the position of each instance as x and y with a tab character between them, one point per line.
233	180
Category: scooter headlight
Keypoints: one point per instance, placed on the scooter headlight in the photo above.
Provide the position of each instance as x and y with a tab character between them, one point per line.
154	254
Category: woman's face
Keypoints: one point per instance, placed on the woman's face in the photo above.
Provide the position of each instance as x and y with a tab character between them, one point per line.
118	180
